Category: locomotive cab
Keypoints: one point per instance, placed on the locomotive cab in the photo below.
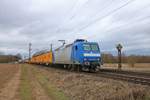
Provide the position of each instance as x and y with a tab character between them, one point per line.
86	54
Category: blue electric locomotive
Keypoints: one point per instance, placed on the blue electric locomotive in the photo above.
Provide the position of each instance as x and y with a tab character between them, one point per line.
81	54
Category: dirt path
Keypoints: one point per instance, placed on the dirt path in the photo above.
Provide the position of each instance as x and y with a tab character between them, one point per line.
7	71
38	91
10	89
22	84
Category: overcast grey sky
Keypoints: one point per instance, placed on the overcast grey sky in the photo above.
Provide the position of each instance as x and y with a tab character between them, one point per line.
107	22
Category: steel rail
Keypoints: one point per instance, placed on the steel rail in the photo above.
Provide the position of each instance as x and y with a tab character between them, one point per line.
126	77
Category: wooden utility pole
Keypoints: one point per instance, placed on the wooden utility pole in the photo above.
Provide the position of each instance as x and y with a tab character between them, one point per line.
119	48
30	51
51	47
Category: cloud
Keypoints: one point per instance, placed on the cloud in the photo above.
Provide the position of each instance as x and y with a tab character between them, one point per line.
42	22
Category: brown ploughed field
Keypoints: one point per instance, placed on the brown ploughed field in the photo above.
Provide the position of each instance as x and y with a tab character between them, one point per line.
35	82
9	81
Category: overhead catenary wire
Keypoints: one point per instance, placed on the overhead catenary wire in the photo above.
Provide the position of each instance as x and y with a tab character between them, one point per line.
102	17
129	23
68	18
73	16
108	14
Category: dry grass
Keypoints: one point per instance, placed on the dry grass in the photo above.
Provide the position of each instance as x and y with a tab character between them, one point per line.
86	87
25	86
35	86
50	89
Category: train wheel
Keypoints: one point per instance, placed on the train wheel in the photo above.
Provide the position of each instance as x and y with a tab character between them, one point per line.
79	68
72	67
69	67
65	66
92	69
97	68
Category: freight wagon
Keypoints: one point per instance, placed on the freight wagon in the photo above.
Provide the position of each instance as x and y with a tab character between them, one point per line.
42	57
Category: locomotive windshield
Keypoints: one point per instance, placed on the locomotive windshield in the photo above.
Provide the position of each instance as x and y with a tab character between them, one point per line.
94	47
90	47
87	47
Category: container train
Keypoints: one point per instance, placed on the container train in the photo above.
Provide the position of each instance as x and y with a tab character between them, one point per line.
80	55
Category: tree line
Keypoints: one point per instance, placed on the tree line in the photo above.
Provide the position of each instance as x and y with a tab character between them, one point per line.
9	58
109	58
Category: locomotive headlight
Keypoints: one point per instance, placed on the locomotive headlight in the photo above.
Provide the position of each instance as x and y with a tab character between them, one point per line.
98	59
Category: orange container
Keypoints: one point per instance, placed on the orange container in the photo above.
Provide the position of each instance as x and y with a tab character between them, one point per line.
44	58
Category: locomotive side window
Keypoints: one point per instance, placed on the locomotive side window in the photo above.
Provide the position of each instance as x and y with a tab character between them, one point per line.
76	48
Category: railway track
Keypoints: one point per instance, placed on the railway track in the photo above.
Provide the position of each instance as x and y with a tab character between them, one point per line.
137	73
134	78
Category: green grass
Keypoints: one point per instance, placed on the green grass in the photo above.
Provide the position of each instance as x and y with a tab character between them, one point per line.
25	87
51	90
147	97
